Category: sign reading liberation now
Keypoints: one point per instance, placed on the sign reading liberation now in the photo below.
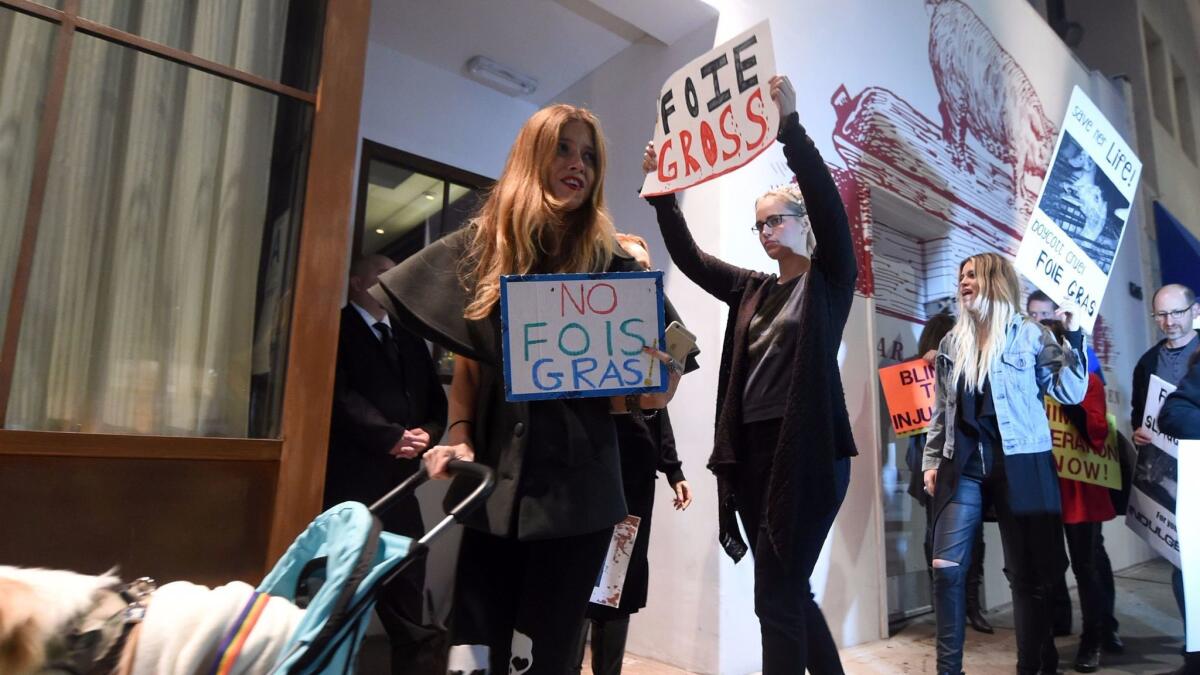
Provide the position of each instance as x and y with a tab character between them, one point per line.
1075	458
908	390
715	114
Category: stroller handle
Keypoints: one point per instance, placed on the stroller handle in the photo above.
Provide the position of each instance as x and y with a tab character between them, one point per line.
483	489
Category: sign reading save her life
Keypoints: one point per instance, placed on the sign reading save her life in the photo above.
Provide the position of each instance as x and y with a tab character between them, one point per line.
908	390
715	114
574	335
1075	230
1074	458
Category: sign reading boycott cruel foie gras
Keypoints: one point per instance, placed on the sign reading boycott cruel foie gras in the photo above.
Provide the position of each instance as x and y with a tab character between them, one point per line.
1077	225
908	390
574	335
715	114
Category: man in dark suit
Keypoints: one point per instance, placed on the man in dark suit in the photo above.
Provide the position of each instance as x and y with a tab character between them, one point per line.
388	407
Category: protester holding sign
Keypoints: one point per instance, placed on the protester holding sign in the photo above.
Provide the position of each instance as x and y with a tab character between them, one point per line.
782	443
647	447
931	336
528	560
1180	417
990	437
1085	508
1174	310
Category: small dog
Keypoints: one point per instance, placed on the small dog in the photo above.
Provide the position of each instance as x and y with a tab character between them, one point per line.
60	620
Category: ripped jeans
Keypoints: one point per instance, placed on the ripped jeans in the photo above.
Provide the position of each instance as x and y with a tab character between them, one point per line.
1033	559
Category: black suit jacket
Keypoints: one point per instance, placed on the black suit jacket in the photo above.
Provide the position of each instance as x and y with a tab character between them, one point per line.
374	401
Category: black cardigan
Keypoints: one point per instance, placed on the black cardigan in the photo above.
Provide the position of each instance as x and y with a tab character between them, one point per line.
815	429
1180	414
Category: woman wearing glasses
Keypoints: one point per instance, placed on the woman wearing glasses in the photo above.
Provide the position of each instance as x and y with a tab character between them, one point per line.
782	446
990	438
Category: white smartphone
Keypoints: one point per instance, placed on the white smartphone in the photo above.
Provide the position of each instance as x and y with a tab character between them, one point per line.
680	342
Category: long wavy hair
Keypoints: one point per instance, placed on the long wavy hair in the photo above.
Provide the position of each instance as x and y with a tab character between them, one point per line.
521	228
979	334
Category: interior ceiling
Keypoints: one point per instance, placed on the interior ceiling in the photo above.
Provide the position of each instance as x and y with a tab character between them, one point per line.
557	42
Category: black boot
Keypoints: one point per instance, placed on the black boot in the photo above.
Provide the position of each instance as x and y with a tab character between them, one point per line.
974	582
1087	659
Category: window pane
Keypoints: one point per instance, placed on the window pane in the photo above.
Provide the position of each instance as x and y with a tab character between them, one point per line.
401	204
158	301
275	39
26	49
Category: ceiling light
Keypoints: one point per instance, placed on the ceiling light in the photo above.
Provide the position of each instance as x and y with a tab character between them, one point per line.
500	77
379	230
428	195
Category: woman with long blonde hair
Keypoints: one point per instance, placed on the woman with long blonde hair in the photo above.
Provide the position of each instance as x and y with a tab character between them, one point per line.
529	559
990	439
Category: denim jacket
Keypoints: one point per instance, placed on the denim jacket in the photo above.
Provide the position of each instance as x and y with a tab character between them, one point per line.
1031	365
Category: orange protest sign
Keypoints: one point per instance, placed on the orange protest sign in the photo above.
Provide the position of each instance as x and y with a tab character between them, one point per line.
1074	458
908	390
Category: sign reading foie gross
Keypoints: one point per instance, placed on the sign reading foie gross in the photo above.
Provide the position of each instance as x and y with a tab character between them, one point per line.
1077	225
908	389
575	335
1151	512
715	114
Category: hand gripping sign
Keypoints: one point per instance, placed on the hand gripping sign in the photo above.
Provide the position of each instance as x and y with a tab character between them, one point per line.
1076	228
715	114
577	335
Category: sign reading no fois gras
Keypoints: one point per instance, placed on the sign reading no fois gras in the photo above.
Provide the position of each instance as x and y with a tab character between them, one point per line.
574	335
1076	228
715	114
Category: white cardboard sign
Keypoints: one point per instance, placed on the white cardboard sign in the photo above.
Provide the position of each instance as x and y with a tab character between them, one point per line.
577	335
715	114
1154	495
1079	221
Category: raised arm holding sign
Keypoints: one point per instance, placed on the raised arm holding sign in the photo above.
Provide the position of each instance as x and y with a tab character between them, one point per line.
781	411
714	114
1077	226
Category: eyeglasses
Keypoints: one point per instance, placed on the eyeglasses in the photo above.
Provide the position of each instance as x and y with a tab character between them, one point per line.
773	221
1173	314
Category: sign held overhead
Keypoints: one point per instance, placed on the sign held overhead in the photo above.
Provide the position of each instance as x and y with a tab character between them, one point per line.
715	114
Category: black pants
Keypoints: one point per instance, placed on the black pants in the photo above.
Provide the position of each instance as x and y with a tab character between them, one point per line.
608	645
1033	559
794	633
400	610
518	605
1089	562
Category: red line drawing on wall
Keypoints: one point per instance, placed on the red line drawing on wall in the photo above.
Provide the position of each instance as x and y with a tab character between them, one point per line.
977	167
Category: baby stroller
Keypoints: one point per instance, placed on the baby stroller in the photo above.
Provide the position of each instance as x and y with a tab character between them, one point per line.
334	568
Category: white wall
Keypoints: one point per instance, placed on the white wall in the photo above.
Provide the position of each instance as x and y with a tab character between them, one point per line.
413	106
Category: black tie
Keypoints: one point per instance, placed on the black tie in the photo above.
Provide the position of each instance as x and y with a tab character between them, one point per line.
390	348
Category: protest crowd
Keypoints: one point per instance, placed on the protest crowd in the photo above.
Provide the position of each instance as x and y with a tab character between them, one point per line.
1013	378
567	354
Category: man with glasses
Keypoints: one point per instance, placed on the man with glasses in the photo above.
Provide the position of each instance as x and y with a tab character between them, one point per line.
1175	311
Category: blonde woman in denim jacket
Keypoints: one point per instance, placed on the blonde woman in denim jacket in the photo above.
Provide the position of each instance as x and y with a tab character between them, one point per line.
990	439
